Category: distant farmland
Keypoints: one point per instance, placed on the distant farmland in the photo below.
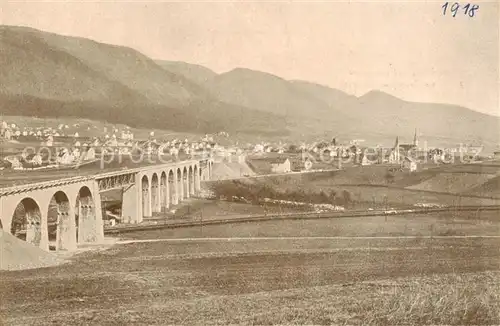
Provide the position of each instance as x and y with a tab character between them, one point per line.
376	186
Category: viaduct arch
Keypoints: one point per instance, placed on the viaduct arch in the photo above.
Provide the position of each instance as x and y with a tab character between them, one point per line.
68	212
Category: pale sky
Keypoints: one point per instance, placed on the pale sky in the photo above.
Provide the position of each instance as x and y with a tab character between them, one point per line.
406	48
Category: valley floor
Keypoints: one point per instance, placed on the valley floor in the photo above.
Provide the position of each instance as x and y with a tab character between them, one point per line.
285	276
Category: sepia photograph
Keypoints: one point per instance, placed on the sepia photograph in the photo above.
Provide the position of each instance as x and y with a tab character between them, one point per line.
322	162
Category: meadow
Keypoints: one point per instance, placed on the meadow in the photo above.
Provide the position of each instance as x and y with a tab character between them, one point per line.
336	271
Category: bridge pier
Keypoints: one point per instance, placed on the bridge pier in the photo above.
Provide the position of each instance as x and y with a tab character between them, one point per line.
86	223
157	202
204	174
90	226
192	183
166	195
44	231
131	205
33	227
88	208
66	228
98	218
180	189
155	195
186	185
173	192
146	197
163	190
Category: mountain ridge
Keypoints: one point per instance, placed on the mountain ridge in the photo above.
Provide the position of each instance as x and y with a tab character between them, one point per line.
74	74
64	75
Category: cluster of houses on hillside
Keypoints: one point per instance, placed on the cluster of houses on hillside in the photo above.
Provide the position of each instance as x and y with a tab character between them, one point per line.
46	158
13	131
153	146
284	158
47	134
64	145
82	150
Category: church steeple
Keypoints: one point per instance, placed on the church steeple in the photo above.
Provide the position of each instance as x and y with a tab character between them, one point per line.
395	156
415	139
396	145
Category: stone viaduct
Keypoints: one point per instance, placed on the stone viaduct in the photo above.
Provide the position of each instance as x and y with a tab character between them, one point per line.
75	203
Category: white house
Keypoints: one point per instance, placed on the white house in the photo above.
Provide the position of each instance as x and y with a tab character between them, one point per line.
242	158
50	141
89	154
308	164
410	163
76	152
16	163
65	157
7	134
259	148
281	166
35	159
174	151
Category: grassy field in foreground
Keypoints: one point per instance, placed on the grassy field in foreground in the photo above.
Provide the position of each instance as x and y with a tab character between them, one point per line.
376	281
207	283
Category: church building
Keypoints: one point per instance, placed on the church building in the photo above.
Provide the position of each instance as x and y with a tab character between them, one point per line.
400	151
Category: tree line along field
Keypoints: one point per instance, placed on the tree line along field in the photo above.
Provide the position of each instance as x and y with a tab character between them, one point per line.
348	196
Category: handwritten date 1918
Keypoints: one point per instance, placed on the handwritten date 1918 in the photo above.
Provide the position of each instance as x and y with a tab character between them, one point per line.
455	8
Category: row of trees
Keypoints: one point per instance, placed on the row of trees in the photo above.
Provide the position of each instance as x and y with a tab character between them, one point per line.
256	193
